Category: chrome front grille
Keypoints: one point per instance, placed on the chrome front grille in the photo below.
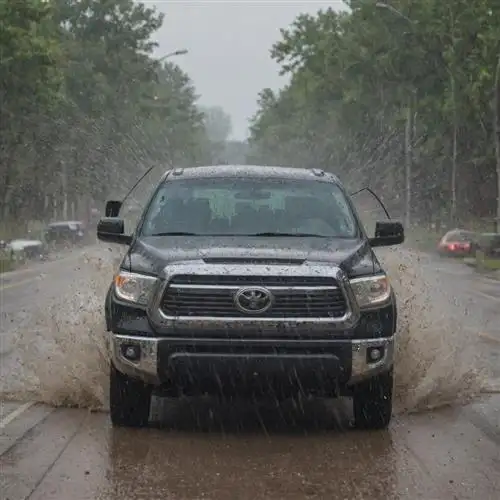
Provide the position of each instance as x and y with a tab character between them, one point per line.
214	296
218	280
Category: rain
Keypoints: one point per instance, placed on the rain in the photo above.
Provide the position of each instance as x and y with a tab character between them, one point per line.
249	250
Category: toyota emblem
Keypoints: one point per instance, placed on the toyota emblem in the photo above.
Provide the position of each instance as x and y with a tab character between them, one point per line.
253	300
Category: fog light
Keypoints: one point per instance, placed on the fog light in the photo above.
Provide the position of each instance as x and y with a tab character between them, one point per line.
131	352
375	353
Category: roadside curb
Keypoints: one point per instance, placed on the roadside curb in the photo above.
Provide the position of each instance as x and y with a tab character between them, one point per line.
488	276
491	275
494	278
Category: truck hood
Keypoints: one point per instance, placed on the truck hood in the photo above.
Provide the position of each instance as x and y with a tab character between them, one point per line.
151	254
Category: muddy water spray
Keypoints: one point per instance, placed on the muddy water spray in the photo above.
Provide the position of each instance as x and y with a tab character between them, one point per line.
60	357
438	361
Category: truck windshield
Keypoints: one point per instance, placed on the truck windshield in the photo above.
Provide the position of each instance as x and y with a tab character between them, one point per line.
250	206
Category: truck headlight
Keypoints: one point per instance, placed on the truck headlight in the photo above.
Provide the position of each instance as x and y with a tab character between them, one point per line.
371	290
136	288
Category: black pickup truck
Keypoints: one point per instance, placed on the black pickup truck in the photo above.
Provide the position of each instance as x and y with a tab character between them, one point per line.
243	279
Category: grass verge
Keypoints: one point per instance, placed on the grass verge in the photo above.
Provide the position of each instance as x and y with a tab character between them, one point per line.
487	266
6	265
492	264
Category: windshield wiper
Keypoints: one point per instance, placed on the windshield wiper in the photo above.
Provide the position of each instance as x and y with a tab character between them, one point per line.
176	233
299	235
272	234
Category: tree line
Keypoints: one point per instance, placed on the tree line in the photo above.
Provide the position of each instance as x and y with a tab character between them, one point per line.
85	108
401	96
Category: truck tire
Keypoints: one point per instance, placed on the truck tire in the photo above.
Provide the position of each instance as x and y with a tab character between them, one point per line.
129	400
372	402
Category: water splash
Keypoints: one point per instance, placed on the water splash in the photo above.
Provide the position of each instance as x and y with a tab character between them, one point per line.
59	355
438	361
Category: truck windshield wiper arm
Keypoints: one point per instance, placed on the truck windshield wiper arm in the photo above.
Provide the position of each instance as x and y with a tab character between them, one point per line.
176	233
299	235
272	234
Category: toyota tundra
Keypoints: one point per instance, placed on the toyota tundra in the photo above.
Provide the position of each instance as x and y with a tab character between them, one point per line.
243	279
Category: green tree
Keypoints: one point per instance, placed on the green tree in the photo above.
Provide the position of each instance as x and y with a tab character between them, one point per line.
85	109
217	123
218	127
389	85
30	84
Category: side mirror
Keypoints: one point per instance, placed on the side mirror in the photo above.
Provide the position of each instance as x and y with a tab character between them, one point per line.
387	234
111	229
113	208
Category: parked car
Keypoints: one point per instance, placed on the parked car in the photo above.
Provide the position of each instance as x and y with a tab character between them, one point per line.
23	249
489	243
458	243
65	232
240	279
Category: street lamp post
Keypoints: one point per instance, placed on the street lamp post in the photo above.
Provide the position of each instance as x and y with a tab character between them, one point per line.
408	127
496	128
180	52
454	153
382	5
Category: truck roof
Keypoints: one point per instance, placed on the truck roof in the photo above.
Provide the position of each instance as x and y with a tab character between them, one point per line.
257	171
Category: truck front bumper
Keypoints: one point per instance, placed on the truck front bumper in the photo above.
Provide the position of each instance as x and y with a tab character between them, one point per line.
167	360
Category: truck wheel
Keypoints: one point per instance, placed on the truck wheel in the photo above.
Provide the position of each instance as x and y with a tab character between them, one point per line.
129	400
372	402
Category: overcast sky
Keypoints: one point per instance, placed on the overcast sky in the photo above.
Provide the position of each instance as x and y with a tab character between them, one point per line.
229	43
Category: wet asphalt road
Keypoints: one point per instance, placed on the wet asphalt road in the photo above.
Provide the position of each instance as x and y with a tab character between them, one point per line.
201	449
42	282
226	453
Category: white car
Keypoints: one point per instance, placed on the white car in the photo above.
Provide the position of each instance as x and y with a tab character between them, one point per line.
24	248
